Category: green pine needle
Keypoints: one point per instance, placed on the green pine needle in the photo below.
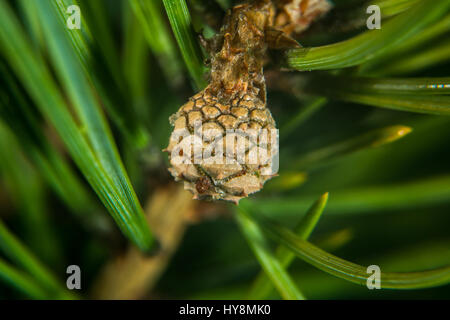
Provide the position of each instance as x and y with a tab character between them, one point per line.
88	138
369	44
372	139
262	287
269	262
350	271
21	255
180	21
21	282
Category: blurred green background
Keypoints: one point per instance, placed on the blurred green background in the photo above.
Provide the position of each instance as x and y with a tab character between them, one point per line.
83	181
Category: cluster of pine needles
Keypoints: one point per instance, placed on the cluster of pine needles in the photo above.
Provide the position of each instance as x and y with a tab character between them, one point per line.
364	135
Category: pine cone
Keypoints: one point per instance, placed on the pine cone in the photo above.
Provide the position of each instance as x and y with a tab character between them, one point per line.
223	164
244	128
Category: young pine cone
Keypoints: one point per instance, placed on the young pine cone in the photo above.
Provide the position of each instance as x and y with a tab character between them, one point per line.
235	155
225	144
